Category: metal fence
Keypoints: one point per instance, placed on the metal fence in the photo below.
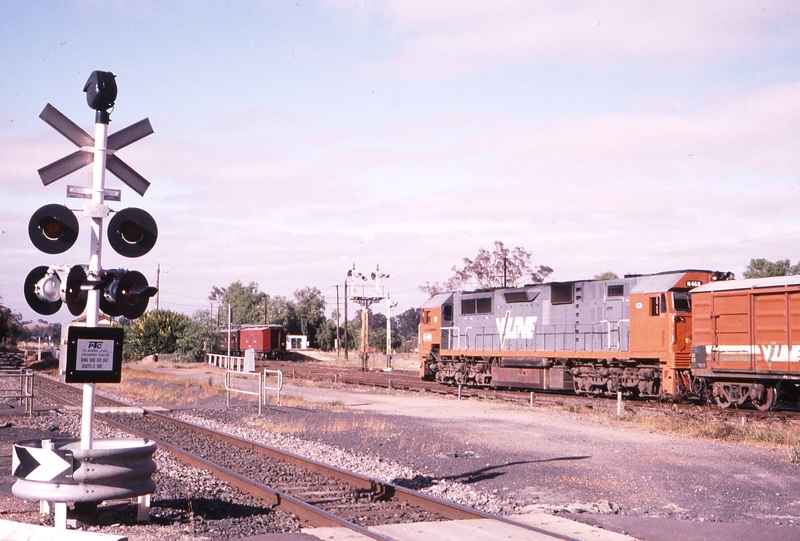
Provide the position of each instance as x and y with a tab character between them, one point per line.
226	362
254	384
16	387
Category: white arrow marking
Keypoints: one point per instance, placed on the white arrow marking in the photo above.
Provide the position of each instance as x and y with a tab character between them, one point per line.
50	464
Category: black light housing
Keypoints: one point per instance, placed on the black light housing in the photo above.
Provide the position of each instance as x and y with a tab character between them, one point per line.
132	232
73	292
53	229
126	294
43	290
101	93
101	90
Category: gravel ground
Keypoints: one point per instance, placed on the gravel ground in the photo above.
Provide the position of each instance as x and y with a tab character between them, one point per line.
188	503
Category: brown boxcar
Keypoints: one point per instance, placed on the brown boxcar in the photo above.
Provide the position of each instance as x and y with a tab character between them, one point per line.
268	341
221	345
746	340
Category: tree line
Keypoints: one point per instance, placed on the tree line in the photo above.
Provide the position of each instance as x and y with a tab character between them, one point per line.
165	331
188	338
14	330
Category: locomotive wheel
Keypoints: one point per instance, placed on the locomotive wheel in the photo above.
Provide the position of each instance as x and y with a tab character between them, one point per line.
722	401
768	402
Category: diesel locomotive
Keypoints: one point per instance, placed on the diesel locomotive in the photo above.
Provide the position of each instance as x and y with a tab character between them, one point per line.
638	335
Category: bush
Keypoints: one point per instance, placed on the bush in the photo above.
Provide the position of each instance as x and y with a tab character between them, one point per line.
165	331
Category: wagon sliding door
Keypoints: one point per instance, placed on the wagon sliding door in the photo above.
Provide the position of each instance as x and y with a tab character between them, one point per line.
771	332
730	315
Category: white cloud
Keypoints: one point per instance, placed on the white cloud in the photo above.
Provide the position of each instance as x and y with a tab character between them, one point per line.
434	39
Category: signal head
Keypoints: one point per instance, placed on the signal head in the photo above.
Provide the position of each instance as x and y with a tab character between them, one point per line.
72	291
53	229
126	294
43	290
101	90
132	232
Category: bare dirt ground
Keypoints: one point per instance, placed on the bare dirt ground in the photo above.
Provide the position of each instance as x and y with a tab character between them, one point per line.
557	459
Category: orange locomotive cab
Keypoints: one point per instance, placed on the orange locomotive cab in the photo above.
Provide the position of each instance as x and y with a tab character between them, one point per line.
661	325
431	325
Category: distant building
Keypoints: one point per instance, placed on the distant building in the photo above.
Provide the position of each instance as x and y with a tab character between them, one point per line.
296	341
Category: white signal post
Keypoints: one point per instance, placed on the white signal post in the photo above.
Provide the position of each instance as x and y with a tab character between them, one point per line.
389	306
94	352
95	269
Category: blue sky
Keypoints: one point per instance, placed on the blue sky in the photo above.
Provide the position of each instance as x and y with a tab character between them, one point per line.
293	139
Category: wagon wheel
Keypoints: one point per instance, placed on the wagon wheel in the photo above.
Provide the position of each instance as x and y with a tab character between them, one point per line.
768	402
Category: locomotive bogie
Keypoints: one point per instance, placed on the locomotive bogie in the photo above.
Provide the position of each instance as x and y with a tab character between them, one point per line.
631	381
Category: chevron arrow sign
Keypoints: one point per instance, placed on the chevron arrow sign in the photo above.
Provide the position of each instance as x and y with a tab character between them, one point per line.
34	463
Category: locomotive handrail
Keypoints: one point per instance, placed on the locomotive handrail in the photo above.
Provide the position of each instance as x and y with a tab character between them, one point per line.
611	331
450	336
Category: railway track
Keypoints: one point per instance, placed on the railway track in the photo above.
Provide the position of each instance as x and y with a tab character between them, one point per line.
319	494
410	381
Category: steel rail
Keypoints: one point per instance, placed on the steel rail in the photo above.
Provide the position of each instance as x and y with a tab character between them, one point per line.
310	513
313	515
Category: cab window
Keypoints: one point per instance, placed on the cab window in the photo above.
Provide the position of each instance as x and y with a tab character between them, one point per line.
447	312
681	302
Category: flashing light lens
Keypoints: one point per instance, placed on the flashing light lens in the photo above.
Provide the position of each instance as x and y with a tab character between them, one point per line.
131	232
53	229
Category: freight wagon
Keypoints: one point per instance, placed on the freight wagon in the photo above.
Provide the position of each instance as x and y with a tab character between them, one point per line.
746	340
268	341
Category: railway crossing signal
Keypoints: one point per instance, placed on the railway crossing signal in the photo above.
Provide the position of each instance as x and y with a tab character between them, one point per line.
53	229
94	352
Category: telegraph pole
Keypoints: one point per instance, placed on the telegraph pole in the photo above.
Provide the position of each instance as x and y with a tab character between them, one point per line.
345	320
337	322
